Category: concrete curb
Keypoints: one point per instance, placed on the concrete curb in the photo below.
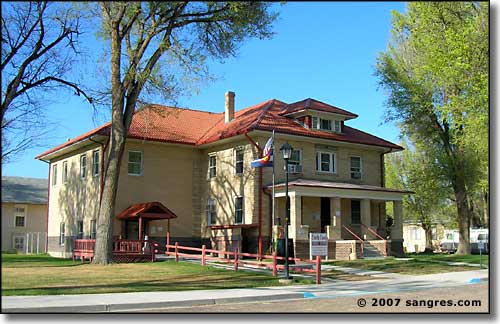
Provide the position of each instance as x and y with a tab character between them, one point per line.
121	307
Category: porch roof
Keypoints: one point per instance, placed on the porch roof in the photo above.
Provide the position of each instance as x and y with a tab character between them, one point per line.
336	185
150	210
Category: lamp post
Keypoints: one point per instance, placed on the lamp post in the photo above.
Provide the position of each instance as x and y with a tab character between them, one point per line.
286	151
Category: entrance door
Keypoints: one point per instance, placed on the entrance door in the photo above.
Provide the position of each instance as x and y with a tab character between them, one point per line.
325	213
132	230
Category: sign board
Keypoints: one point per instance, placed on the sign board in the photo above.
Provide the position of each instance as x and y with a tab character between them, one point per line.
318	244
481	245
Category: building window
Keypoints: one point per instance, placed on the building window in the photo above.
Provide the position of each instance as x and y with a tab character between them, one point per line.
314	123
295	158
62	234
65	172
54	174
338	127
212	166
325	162
135	163
355	167
80	229
238	210
355	212
433	234
20	214
211	211
95	163
19	243
415	234
83	166
325	124
238	163
93	229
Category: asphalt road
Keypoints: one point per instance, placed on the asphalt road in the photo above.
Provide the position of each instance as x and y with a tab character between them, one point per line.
440	300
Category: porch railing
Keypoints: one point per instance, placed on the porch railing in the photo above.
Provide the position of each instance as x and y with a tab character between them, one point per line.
85	248
378	236
357	237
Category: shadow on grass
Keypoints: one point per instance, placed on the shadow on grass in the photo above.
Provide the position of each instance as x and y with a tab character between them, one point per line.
241	281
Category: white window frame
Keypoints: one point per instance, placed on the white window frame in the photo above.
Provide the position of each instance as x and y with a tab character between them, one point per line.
236	161
332	168
210	167
23	238
83	166
294	162
337	126
242	209
360	167
95	162
54	175
211	211
329	121
314	122
23	215
140	164
93	228
62	233
80	235
65	171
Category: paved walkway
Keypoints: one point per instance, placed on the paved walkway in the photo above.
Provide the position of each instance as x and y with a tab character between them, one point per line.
147	300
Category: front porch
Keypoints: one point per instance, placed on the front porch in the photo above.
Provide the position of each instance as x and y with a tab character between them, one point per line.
353	217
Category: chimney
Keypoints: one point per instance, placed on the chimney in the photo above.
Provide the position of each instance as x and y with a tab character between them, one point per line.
229	112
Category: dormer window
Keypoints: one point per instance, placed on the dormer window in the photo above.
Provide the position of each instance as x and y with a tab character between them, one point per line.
326	124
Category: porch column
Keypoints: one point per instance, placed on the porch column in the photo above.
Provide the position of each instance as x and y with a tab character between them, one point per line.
365	218
140	228
397	227
295	215
335	228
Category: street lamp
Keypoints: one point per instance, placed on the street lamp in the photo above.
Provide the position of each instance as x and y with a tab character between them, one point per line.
286	151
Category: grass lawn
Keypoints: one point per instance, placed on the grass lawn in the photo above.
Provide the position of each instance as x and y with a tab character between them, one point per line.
411	267
44	275
473	258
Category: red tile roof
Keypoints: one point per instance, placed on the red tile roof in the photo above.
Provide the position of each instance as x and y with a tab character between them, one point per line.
154	210
194	127
313	104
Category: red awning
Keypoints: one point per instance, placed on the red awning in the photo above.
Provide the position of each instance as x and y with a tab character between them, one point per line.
150	210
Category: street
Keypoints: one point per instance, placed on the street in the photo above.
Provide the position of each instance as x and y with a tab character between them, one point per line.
429	300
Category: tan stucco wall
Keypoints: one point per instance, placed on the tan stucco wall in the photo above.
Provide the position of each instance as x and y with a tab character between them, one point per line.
167	177
176	175
227	185
35	222
370	162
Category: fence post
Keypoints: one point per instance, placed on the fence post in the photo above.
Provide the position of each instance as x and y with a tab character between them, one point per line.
236	259
318	270
275	269
167	252
176	252
203	255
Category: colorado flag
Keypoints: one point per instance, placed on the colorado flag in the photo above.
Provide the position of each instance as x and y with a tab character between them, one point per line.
267	156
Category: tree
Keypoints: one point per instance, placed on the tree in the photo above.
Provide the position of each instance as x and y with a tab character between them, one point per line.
413	170
139	35
436	73
39	46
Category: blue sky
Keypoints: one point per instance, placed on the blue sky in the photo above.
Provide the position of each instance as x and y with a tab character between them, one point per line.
323	50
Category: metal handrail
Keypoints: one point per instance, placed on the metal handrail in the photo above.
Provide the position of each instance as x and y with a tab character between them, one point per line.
358	238
379	236
373	232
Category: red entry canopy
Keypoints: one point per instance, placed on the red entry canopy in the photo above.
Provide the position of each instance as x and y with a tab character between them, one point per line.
150	210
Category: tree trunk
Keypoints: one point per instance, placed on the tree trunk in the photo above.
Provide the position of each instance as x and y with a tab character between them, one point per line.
486	211
462	217
428	238
104	237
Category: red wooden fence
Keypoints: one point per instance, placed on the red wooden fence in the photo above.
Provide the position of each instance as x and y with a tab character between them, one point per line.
234	257
123	250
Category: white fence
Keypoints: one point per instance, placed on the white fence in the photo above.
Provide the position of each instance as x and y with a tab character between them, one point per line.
34	243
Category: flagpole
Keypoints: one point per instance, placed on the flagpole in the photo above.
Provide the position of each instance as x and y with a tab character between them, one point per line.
274	161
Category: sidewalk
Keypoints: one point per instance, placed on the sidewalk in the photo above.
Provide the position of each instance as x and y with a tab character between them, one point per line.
148	300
